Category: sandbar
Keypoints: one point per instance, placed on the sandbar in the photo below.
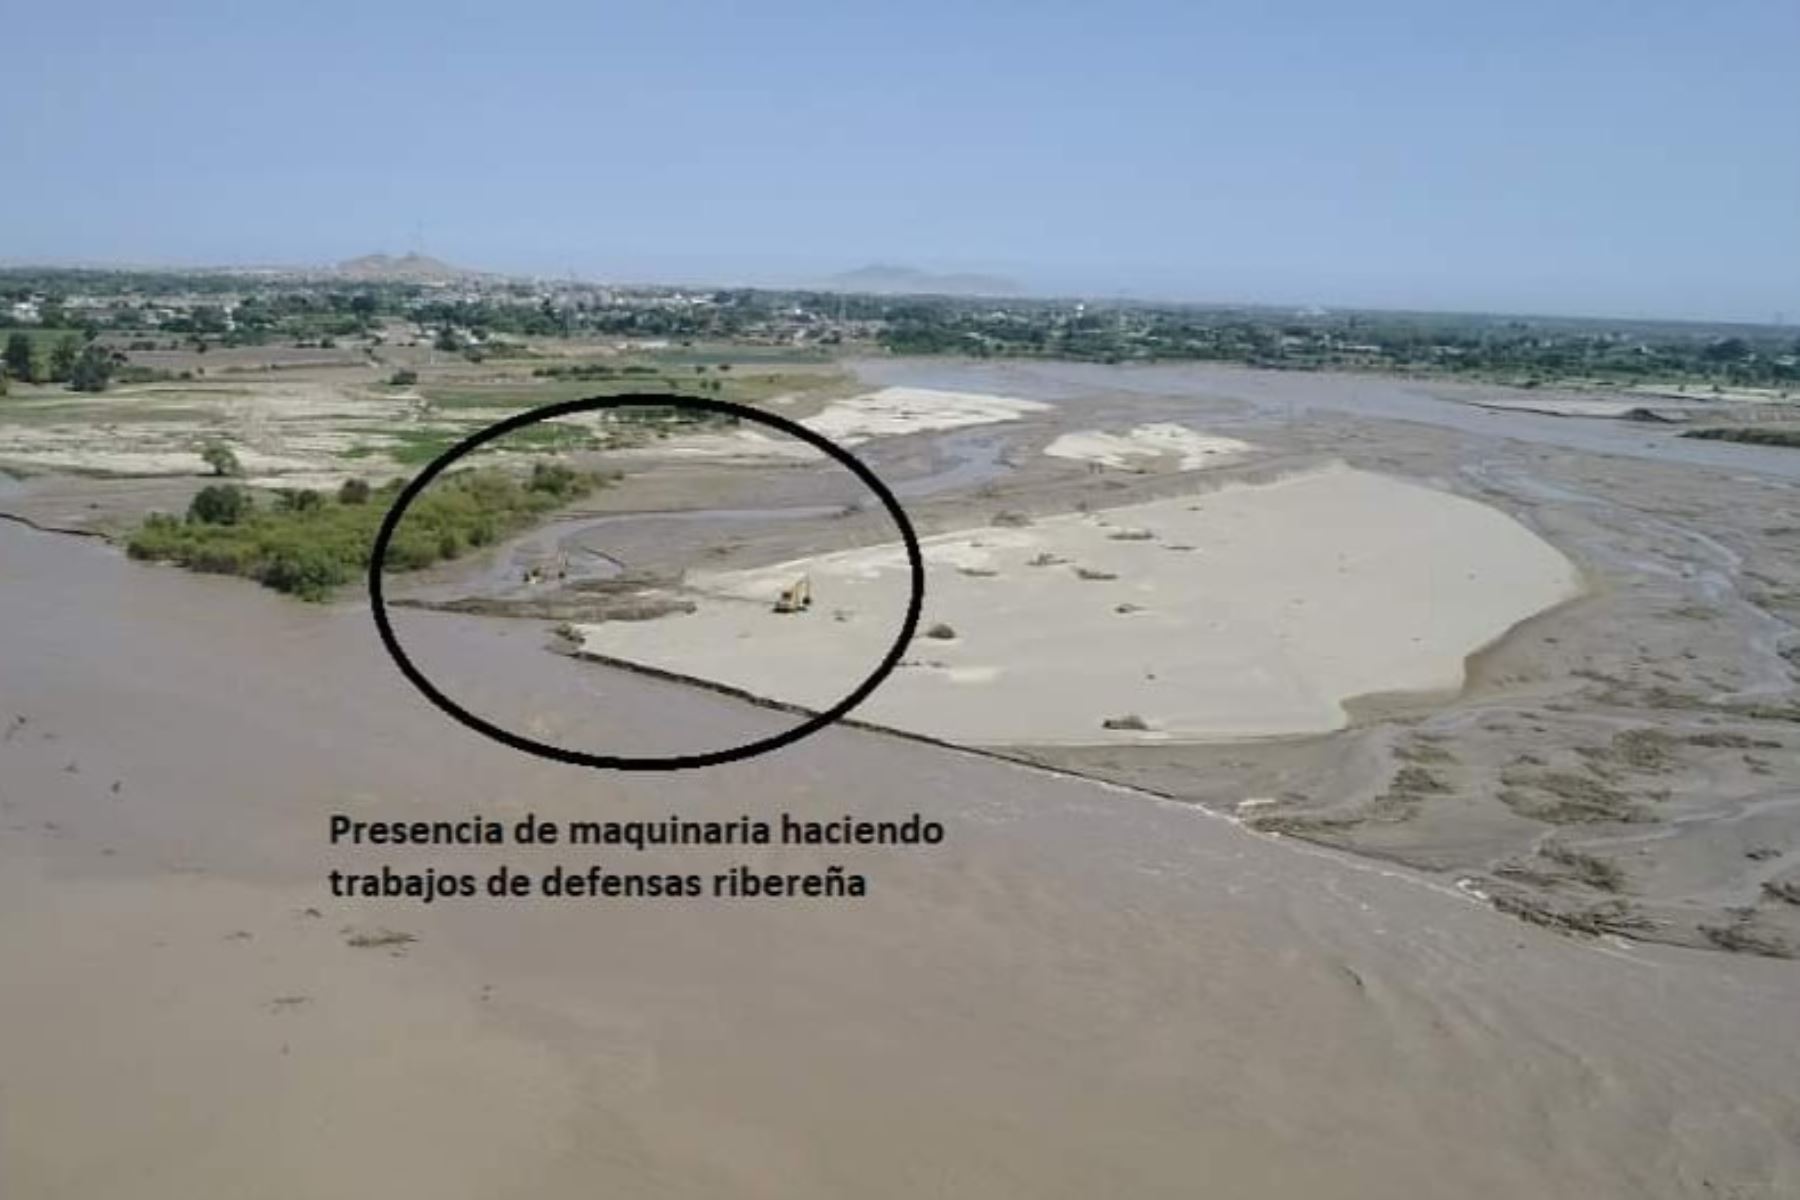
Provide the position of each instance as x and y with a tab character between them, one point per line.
1247	611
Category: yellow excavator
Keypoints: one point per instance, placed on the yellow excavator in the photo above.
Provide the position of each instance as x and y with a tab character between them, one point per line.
796	597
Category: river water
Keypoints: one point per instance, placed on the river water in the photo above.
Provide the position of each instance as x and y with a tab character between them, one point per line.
1106	394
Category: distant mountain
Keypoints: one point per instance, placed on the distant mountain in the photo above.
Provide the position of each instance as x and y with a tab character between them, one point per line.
880	277
408	268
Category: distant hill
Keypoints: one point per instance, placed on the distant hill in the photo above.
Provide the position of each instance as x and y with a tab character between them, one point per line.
407	268
880	277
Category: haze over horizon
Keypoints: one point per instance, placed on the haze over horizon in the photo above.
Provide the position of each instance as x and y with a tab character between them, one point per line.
1601	160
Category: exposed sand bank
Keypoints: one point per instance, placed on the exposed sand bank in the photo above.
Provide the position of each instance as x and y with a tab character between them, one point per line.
1189	449
744	444
1247	611
895	411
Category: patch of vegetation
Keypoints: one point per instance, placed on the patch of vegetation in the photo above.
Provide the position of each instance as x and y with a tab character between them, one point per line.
1090	574
525	393
670	416
92	370
941	632
412	447
1417	781
1567	798
1658	696
423	444
307	544
1750	434
1425	752
1329	830
221	459
1730	741
1742	937
220	505
58	355
405	377
1613	916
1769	712
1643	749
1785	890
1406	793
1007	519
1602	874
577	371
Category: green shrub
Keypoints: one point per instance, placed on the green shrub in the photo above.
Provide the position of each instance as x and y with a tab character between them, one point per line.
298	500
553	479
220	504
219	557
310	572
221	460
92	370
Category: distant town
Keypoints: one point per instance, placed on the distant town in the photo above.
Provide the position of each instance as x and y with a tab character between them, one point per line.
89	327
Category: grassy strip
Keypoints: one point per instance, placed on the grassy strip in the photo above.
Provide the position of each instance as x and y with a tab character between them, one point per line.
415	447
42	340
307	544
1748	433
518	393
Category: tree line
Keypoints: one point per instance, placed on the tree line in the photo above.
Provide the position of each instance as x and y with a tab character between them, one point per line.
83	367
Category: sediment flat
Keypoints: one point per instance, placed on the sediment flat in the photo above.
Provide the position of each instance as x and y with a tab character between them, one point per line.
1244	611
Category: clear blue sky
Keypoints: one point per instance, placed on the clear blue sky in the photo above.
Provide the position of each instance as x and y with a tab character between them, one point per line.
1637	157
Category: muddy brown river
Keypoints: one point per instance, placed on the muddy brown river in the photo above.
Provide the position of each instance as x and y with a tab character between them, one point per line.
1082	992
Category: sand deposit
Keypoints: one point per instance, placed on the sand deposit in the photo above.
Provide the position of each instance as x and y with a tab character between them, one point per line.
737	445
895	411
1188	449
1248	611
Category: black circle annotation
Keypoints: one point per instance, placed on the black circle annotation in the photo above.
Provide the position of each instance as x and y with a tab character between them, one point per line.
626	762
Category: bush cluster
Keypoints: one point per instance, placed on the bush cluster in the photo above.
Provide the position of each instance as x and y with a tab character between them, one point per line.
307	544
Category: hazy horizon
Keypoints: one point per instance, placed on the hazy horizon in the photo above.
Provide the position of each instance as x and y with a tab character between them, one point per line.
825	282
1619	161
